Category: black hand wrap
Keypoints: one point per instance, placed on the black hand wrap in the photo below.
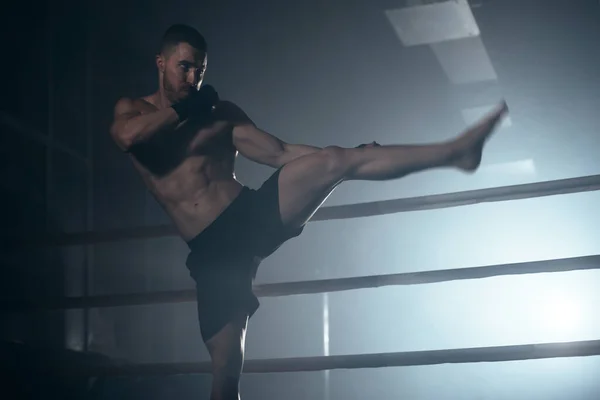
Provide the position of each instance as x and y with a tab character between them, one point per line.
372	144
198	105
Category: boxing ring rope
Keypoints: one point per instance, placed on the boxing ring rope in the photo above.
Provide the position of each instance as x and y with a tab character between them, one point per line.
356	361
468	355
376	208
314	286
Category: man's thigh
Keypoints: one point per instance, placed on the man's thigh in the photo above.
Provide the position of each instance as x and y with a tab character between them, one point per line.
227	347
305	183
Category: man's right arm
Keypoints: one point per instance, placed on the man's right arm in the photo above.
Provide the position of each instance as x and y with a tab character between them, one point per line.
131	127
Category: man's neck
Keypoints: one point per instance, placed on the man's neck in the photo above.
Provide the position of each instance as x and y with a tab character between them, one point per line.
162	100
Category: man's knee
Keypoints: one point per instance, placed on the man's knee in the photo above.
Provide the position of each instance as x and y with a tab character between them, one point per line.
224	386
335	160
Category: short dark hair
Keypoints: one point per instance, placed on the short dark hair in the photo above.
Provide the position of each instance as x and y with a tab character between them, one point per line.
180	33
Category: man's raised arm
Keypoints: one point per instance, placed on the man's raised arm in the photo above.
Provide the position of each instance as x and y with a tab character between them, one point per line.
130	126
258	145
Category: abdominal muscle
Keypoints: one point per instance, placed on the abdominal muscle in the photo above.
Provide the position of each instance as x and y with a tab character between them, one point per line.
196	192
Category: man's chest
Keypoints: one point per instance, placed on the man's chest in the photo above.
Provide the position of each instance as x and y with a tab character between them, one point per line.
214	137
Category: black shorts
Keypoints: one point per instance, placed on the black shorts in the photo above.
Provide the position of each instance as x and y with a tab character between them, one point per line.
224	257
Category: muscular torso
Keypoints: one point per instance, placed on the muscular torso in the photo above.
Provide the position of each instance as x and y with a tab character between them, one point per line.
190	172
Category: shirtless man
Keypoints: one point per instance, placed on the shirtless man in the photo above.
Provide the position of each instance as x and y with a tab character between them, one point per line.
184	140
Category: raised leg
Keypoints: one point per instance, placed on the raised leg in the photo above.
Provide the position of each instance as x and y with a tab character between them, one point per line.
306	182
226	350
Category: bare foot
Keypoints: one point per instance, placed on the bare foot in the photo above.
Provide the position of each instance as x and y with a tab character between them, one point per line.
469	145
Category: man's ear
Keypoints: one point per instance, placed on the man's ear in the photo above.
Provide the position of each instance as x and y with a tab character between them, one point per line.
160	62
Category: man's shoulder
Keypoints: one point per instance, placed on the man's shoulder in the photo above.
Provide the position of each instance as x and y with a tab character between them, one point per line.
230	111
135	104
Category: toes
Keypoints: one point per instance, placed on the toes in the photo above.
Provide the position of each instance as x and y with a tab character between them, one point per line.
501	110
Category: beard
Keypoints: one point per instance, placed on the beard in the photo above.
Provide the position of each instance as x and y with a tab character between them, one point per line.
171	92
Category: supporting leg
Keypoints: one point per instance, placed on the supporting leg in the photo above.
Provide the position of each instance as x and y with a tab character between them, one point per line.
226	350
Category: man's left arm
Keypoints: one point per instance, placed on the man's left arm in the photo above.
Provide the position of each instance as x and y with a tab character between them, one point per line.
256	144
